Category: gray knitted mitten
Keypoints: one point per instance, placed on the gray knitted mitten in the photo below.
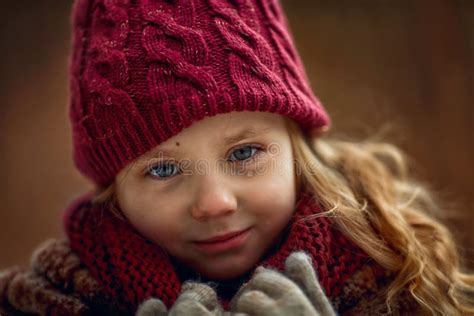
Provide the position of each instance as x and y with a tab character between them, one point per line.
196	299
296	292
299	268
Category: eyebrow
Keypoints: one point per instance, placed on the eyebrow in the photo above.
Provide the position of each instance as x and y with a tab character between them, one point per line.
246	132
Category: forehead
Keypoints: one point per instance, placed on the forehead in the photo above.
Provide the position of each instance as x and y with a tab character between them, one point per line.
222	130
228	123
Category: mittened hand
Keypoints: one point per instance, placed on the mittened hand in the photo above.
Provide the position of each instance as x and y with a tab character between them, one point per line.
296	292
271	293
299	268
196	299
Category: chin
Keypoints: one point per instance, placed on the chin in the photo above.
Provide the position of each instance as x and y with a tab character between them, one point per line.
226	270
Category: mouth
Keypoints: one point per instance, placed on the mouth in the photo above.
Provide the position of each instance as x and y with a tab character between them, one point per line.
223	242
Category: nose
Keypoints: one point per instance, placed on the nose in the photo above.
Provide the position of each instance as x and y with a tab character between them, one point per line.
213	198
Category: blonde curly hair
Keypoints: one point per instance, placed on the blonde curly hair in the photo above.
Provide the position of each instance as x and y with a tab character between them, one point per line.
368	192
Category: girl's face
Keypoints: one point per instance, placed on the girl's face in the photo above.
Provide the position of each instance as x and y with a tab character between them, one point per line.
226	174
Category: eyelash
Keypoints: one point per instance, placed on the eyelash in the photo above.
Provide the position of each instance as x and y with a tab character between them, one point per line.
258	151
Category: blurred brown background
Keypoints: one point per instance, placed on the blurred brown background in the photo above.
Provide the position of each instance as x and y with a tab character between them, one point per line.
403	67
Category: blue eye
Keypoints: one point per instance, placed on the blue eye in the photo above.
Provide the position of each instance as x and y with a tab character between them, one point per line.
244	153
168	169
163	170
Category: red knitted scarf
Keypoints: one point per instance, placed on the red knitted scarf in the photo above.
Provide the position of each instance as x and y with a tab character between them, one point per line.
132	269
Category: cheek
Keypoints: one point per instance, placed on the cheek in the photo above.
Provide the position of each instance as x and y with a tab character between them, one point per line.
271	196
273	193
274	179
156	219
159	228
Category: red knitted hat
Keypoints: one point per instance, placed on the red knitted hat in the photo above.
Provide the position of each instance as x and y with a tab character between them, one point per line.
141	71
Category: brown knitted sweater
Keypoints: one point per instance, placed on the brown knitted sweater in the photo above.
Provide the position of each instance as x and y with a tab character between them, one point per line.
57	283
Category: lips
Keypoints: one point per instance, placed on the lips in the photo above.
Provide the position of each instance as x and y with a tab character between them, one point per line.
222	237
223	243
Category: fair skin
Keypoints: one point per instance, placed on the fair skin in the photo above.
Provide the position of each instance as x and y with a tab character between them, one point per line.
194	186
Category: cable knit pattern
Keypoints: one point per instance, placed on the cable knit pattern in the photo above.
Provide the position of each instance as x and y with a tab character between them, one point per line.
55	261
366	291
293	70
56	283
34	294
141	71
177	53
250	59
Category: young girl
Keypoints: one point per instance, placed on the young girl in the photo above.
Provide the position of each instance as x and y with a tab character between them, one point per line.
195	120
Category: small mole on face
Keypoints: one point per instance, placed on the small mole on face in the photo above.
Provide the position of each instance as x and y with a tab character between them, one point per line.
177	143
